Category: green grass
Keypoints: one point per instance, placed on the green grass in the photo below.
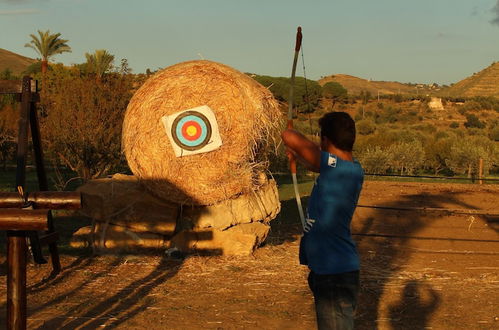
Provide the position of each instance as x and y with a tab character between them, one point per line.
286	189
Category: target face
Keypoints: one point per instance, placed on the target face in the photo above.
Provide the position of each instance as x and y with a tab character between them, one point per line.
192	131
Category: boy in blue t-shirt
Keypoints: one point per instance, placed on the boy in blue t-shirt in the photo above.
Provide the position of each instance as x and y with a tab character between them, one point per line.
327	246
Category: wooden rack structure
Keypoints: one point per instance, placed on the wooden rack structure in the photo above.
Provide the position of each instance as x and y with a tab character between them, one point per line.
28	215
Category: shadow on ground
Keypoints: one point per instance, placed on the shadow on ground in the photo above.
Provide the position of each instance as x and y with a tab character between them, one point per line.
379	233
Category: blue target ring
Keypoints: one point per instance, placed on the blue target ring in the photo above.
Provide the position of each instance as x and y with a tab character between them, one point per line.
191	130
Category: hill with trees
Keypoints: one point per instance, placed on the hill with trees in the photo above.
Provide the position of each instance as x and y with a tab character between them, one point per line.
16	63
356	85
483	83
399	132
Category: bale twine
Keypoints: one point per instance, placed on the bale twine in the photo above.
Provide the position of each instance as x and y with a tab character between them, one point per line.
247	115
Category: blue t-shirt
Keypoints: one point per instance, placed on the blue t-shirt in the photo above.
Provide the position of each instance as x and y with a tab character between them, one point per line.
327	246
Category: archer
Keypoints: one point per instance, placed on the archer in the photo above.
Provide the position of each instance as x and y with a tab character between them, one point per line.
327	246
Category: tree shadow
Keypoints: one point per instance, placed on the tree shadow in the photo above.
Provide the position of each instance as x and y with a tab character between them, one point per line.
117	309
128	301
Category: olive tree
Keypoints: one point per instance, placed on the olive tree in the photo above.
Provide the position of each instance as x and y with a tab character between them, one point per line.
374	159
466	153
407	156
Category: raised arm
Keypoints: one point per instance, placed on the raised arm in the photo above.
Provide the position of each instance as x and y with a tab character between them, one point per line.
307	152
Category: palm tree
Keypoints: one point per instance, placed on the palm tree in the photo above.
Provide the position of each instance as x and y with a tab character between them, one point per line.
99	62
47	45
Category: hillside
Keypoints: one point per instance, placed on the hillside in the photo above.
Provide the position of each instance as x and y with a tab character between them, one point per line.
355	85
483	83
16	63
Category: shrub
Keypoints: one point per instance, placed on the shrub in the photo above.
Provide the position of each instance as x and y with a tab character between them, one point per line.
454	124
470	106
494	134
473	121
365	127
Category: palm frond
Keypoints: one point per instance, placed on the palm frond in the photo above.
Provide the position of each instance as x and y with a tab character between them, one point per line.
47	44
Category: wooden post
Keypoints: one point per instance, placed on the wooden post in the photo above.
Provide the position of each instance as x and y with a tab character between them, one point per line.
480	171
22	139
22	214
16	240
43	184
16	281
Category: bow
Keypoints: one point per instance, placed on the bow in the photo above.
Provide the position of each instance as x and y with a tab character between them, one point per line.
292	160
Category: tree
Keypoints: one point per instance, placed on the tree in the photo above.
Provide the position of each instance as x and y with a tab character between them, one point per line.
375	160
99	62
437	151
466	153
407	156
83	120
47	45
306	94
334	91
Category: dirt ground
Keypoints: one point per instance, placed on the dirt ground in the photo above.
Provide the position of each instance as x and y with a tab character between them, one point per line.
421	269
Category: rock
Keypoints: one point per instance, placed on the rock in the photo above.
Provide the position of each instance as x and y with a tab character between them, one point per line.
263	205
242	239
116	238
122	200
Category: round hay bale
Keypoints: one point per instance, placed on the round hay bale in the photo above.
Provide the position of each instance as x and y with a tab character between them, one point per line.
247	116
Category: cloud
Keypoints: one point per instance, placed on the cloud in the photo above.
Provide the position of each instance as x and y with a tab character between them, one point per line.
18	12
495	10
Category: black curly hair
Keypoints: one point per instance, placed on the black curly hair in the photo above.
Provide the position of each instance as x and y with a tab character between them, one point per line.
339	128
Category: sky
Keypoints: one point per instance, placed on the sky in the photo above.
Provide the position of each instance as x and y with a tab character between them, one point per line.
418	41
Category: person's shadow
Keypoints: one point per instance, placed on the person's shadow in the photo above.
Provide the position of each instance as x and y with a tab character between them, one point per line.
416	305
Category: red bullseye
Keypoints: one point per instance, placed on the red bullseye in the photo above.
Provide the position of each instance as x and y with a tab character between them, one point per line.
191	130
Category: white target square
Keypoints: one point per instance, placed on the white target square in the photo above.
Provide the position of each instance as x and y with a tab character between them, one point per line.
192	131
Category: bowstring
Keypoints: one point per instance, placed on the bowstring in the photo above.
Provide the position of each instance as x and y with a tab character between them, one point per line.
308	100
306	91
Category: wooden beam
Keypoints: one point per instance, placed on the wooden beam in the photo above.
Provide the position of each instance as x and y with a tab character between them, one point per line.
18	219
53	200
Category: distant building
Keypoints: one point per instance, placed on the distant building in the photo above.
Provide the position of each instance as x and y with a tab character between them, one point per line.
436	104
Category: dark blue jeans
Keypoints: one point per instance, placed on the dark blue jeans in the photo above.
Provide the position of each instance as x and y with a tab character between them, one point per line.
335	298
